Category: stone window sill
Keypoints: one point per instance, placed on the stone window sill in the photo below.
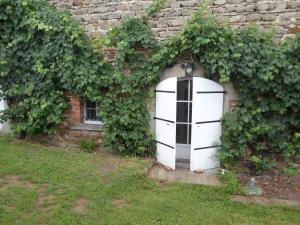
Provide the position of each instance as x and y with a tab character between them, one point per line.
87	127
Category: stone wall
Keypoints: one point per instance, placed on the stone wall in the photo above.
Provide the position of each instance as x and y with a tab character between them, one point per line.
98	16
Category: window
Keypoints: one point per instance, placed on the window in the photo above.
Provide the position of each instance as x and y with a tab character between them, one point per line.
184	111
91	112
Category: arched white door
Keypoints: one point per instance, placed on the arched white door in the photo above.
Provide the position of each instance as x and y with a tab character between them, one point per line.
165	117
208	98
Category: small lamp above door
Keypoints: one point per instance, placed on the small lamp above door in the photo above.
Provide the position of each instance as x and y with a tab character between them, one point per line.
188	68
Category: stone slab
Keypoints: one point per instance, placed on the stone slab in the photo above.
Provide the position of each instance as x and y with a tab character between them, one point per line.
162	173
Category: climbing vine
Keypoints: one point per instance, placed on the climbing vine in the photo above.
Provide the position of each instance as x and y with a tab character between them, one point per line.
45	54
155	6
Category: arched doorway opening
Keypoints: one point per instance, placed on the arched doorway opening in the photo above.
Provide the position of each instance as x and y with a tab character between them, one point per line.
188	126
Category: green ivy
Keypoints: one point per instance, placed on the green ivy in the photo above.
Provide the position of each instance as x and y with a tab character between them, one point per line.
155	6
45	54
124	106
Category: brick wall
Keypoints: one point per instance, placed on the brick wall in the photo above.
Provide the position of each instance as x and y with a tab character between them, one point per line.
75	114
98	16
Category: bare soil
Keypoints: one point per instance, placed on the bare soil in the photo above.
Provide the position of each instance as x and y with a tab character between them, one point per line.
45	200
275	186
14	181
119	203
80	206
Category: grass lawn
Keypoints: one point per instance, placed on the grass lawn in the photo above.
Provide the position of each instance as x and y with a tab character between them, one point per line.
40	185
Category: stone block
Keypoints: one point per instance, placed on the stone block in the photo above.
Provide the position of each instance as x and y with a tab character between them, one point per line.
230	8
281	5
234	1
293	5
237	19
187	4
254	17
179	21
77	2
250	8
101	9
240	8
262	6
115	15
219	2
284	19
268	17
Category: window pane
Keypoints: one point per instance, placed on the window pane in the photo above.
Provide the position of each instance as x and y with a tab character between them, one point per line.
182	112
181	133
90	104
182	90
91	113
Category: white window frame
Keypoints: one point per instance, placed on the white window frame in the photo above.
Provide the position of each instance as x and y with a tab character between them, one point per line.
91	121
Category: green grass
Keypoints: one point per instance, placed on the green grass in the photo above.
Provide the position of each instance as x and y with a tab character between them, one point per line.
103	179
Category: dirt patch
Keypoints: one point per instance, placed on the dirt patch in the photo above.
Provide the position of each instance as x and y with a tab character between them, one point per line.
45	200
275	186
14	181
163	184
80	206
119	203
265	201
107	168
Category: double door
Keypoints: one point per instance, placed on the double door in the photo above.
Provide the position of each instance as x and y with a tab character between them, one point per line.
188	113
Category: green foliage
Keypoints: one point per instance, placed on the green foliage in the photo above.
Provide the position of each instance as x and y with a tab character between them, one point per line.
230	182
44	55
124	105
291	170
105	180
88	145
155	6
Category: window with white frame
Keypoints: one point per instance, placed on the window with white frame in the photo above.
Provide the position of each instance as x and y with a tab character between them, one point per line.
91	114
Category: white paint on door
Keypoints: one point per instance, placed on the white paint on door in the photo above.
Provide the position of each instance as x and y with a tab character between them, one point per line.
4	127
207	110
165	122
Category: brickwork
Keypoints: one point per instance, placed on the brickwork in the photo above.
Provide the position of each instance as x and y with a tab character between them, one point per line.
98	16
75	113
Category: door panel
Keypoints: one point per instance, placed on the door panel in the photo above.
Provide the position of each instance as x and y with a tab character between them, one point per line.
208	107
166	122
165	132
207	111
207	134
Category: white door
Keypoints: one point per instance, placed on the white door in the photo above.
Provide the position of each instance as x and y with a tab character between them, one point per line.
3	126
208	98
165	117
